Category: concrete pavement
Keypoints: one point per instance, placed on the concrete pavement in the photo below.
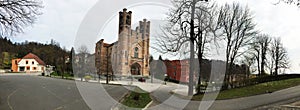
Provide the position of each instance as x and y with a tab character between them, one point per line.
36	92
19	92
166	101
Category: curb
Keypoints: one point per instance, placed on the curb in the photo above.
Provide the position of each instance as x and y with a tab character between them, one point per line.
291	106
54	77
148	105
119	104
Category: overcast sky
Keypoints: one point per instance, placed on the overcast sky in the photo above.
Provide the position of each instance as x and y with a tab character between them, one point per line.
62	19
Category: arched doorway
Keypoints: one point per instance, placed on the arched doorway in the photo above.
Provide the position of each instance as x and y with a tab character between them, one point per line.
135	69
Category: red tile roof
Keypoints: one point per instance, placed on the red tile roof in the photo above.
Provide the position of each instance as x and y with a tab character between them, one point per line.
33	56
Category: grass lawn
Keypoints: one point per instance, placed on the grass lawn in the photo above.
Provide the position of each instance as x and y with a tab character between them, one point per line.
255	89
137	99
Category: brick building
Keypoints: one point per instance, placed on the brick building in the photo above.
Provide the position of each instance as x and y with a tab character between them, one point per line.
178	70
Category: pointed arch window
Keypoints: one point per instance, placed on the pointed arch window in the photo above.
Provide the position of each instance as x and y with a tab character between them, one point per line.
136	52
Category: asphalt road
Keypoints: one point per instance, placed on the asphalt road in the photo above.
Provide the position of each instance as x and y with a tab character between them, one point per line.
42	93
166	101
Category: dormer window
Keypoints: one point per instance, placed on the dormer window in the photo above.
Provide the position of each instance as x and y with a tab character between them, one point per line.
26	62
32	62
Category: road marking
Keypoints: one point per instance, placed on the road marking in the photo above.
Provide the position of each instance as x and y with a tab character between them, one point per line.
55	95
59	108
73	102
8	98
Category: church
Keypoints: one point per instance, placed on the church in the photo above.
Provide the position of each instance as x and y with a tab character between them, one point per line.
130	54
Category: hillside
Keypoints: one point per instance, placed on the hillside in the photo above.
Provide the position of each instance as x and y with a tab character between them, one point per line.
51	54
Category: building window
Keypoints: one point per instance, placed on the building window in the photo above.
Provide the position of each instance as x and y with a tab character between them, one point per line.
174	75
136	52
26	62
22	68
28	68
128	20
34	68
32	62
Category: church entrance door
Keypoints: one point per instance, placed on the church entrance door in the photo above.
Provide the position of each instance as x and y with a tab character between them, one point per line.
135	69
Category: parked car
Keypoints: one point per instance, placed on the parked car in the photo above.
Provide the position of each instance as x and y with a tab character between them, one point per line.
142	79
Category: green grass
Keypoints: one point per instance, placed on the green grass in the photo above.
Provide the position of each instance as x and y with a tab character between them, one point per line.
255	89
137	98
66	76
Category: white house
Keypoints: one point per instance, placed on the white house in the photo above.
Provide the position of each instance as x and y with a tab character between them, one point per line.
29	64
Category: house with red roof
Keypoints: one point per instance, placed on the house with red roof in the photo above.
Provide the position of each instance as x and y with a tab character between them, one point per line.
30	63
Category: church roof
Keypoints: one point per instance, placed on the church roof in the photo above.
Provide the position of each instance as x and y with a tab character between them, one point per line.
33	56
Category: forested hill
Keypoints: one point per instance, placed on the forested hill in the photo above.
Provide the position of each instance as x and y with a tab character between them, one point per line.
51	54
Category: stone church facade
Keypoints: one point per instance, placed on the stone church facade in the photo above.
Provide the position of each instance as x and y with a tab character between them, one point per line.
130	54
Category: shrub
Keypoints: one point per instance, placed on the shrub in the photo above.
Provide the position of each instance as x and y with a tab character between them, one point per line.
87	77
54	74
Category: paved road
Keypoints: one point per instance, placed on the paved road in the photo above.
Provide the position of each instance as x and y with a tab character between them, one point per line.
168	102
41	93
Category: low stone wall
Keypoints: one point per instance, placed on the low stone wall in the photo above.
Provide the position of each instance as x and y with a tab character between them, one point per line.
34	74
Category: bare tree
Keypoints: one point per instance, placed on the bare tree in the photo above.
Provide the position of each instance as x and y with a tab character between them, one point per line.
190	22
261	48
291	2
81	63
239	31
279	56
17	14
249	60
264	44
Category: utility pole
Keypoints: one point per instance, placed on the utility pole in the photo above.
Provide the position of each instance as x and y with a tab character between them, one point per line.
192	48
192	55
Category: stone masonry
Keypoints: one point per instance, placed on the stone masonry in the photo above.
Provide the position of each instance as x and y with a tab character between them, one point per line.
130	54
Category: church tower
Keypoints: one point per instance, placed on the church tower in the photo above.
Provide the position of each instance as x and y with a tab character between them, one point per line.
123	41
130	54
145	31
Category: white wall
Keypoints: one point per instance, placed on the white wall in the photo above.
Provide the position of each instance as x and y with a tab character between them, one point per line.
31	63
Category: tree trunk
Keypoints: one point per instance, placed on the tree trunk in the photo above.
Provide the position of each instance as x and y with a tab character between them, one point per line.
200	55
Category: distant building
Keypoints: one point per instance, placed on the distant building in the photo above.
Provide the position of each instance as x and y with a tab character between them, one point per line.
29	63
130	54
178	70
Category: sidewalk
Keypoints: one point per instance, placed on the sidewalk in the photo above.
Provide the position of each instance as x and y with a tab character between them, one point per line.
148	86
163	99
33	74
160	92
